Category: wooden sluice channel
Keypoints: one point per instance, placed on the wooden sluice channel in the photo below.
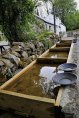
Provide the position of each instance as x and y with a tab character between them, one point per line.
27	93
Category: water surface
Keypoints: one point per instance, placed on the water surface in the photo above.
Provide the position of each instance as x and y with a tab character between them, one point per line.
57	54
37	81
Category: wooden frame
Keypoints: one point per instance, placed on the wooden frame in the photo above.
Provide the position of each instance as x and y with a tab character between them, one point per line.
51	60
63	44
39	107
66	41
60	49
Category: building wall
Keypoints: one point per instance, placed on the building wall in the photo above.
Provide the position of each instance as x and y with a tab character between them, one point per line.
44	11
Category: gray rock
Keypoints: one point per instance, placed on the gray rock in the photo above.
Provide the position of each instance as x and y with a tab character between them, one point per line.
16	48
7	63
1	63
12	58
24	55
15	53
19	44
41	45
31	46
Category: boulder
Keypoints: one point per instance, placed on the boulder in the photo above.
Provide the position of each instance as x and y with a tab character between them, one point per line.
1	63
15	53
19	44
16	48
7	63
23	63
31	46
12	58
8	74
24	55
41	45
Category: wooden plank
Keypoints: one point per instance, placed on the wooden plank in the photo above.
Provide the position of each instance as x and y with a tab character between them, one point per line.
70	54
58	99
60	49
64	41
39	108
63	44
51	60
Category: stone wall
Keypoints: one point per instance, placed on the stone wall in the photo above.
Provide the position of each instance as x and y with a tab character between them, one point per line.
15	58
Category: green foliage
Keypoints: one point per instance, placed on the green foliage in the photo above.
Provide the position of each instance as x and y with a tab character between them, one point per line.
44	35
2	36
72	21
16	17
67	12
65	7
34	30
31	36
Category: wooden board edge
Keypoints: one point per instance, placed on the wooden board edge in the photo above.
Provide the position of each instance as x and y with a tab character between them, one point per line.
54	58
70	53
59	49
23	105
30	97
58	99
64	40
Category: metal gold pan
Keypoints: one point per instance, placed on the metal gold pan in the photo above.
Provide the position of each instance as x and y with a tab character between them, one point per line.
67	67
64	78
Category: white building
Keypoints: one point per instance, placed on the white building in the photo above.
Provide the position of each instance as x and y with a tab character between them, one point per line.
43	11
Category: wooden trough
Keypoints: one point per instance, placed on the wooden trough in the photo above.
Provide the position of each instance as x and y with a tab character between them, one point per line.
23	95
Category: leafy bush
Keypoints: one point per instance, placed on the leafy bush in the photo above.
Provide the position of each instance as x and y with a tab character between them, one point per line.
44	35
